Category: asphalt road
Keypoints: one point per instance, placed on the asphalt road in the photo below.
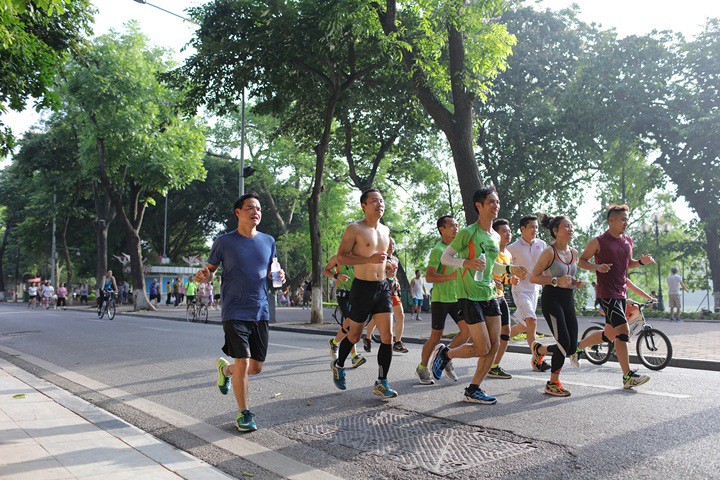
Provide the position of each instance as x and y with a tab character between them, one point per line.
159	375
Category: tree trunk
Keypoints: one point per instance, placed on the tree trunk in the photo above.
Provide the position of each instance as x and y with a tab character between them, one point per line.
3	245
101	234
140	300
461	145
712	236
66	252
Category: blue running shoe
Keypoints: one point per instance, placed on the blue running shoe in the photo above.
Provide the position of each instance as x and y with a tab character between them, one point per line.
245	422
478	396
438	364
338	376
223	381
383	390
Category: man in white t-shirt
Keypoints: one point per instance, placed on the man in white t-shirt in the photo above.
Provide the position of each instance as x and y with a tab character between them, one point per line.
417	291
525	252
675	281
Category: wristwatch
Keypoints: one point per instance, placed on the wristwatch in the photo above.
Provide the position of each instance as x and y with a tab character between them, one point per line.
554	282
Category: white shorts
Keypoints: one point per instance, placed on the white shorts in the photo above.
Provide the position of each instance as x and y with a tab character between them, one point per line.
526	303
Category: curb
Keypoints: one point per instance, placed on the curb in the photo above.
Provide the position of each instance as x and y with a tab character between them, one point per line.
690	363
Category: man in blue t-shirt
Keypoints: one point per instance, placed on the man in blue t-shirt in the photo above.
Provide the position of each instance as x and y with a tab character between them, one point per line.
246	256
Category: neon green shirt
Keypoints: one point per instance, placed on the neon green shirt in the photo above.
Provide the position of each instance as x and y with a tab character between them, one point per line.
444	292
472	242
350	272
191	288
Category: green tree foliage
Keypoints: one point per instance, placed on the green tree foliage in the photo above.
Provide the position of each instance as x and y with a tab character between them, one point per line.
451	50
36	36
688	135
131	135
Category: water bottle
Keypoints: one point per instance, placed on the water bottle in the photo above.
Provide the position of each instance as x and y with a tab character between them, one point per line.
275	273
480	273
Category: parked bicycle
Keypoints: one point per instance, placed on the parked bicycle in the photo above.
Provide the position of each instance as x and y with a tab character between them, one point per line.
196	311
107	306
653	347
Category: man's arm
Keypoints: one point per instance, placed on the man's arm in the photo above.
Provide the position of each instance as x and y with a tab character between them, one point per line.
206	274
644	260
638	290
685	287
433	277
591	249
330	269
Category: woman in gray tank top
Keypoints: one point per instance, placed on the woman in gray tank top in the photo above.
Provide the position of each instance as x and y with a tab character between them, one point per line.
555	270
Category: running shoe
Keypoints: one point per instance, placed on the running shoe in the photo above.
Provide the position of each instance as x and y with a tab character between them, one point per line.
498	372
633	379
338	375
423	374
383	390
245	422
399	347
223	381
575	359
544	366
537	360
367	345
438	364
357	360
555	388
450	370
478	396
333	348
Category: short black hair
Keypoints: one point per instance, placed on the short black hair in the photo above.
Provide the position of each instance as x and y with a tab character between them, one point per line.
527	219
482	193
613	209
442	220
367	192
239	202
499	223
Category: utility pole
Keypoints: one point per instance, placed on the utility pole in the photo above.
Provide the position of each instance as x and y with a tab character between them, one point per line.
242	146
53	256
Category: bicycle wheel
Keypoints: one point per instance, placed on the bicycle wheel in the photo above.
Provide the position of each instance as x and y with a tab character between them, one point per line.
597	354
190	313
111	310
337	315
203	315
654	349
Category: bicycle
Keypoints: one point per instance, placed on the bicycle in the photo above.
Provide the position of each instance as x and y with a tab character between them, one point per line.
196	311
33	303
108	306
653	347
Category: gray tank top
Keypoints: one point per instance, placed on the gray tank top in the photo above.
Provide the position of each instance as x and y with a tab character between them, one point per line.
558	268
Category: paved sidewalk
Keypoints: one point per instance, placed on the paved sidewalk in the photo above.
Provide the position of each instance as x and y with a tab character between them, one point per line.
47	433
691	339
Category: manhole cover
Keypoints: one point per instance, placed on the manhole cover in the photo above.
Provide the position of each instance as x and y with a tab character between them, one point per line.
417	441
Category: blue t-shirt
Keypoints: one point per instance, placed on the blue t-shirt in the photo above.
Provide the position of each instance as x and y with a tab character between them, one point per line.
245	266
153	288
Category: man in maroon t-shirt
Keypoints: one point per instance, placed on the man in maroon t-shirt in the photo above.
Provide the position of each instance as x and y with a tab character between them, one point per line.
613	257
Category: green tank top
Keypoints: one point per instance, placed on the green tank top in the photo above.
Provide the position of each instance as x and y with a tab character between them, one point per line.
350	272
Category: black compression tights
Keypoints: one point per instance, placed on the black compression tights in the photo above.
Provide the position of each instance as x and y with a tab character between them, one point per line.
558	306
384	359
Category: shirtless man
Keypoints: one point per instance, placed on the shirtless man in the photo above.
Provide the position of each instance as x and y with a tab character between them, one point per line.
344	276
365	245
612	252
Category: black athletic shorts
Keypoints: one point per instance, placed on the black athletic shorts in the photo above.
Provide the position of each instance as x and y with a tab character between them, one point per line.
369	298
440	311
614	309
343	300
476	311
504	311
246	339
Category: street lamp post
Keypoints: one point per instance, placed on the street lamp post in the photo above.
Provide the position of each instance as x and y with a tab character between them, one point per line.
665	227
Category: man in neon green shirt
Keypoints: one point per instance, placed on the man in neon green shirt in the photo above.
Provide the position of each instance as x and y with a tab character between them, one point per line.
191	290
473	252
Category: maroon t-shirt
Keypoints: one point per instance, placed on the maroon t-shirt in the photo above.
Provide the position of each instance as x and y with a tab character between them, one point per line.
617	251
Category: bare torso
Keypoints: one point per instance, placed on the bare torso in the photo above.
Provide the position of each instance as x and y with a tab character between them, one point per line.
365	247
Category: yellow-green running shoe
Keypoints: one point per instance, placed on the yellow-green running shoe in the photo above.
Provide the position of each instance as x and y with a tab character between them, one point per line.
245	421
223	381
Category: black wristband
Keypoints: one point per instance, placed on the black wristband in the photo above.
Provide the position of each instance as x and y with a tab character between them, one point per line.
640	262
508	269
335	276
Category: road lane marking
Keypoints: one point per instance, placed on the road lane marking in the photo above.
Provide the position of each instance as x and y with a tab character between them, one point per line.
607	387
155	328
261	456
292	346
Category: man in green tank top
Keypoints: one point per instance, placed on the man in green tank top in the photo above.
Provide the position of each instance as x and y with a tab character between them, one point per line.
473	252
344	275
444	301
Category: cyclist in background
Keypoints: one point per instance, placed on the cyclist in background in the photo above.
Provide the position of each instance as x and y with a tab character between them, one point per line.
190	290
108	286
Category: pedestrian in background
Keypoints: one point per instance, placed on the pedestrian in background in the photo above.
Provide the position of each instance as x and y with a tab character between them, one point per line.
674	282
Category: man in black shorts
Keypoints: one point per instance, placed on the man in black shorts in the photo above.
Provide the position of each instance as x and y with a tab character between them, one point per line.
246	256
365	245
